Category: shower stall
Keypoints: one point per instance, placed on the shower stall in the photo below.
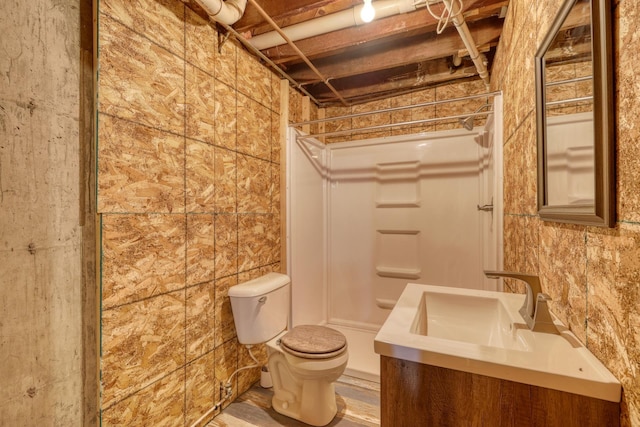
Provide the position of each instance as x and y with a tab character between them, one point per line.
364	218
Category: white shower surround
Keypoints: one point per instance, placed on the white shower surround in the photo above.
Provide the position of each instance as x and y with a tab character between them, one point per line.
405	206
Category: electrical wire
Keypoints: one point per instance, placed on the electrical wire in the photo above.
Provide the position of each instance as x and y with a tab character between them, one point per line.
445	16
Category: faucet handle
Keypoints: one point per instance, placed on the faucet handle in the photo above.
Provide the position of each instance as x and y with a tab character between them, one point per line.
535	310
533	288
544	297
542	319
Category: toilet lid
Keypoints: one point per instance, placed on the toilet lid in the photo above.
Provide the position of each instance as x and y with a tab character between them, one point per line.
313	342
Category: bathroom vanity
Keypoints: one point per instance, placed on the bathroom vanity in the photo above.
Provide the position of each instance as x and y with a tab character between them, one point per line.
414	394
451	357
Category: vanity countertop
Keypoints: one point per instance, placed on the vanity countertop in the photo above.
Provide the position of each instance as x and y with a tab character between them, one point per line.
481	332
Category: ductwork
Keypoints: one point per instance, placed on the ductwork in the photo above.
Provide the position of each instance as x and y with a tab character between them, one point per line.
332	22
224	11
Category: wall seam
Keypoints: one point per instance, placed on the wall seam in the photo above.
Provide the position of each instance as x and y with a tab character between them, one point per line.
186	216
235	341
586	280
628	222
137	391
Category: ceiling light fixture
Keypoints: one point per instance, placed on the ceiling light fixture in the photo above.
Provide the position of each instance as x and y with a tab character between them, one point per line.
367	13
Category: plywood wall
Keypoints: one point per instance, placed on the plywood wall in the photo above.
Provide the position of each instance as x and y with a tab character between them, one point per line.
592	274
443	110
189	200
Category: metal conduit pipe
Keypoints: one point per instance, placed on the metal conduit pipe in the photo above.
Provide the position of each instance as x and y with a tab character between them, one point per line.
403	107
298	51
275	68
461	25
332	22
224	11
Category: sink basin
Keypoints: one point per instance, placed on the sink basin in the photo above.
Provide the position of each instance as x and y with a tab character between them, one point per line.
475	319
481	332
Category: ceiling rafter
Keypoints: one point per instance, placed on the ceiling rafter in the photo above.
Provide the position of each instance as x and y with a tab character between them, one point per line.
415	49
391	55
393	27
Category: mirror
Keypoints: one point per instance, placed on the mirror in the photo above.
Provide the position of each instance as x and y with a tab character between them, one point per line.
575	125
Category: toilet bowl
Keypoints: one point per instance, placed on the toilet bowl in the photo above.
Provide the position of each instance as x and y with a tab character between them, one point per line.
304	362
303	381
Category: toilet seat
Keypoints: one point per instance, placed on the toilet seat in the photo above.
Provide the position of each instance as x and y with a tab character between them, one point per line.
313	342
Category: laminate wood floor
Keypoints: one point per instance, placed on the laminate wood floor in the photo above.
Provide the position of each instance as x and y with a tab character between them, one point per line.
358	405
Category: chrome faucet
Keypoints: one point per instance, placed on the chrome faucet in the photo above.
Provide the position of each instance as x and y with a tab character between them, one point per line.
535	310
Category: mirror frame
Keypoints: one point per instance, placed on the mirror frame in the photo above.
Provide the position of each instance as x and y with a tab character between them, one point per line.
602	213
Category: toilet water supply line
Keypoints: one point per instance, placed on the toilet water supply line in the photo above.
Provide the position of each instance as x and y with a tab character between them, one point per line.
227	388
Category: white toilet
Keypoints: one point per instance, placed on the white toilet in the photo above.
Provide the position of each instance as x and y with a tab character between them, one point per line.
304	362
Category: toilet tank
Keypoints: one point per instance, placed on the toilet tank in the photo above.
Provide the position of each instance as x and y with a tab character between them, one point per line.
260	307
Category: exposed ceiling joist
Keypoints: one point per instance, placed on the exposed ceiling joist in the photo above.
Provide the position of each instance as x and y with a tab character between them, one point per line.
390	55
401	81
414	49
393	27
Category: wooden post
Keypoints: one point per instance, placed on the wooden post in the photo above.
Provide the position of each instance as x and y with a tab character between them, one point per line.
321	126
284	128
306	113
89	221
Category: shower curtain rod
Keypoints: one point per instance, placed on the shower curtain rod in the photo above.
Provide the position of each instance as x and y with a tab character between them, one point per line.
404	107
569	101
412	122
567	81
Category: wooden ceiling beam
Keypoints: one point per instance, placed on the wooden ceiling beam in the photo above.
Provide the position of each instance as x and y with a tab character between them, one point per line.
325	44
416	49
404	25
389	56
288	12
432	73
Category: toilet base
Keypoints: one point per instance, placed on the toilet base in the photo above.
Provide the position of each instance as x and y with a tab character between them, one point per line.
317	407
303	389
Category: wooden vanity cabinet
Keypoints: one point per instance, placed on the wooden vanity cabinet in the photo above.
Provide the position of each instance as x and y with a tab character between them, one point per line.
417	395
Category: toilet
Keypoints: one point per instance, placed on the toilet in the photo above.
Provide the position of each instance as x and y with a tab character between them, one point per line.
304	362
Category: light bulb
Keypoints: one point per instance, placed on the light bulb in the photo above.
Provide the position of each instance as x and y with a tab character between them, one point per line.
368	12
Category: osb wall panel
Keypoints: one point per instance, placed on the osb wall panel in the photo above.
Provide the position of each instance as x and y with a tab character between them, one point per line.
592	274
139	80
442	110
129	185
627	16
142	256
189	193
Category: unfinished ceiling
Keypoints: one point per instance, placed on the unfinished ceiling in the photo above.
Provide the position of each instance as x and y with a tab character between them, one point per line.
389	56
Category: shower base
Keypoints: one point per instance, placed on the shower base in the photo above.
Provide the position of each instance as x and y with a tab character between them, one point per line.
363	362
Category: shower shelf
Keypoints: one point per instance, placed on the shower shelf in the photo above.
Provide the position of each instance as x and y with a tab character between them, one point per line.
386	303
399	204
399	273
